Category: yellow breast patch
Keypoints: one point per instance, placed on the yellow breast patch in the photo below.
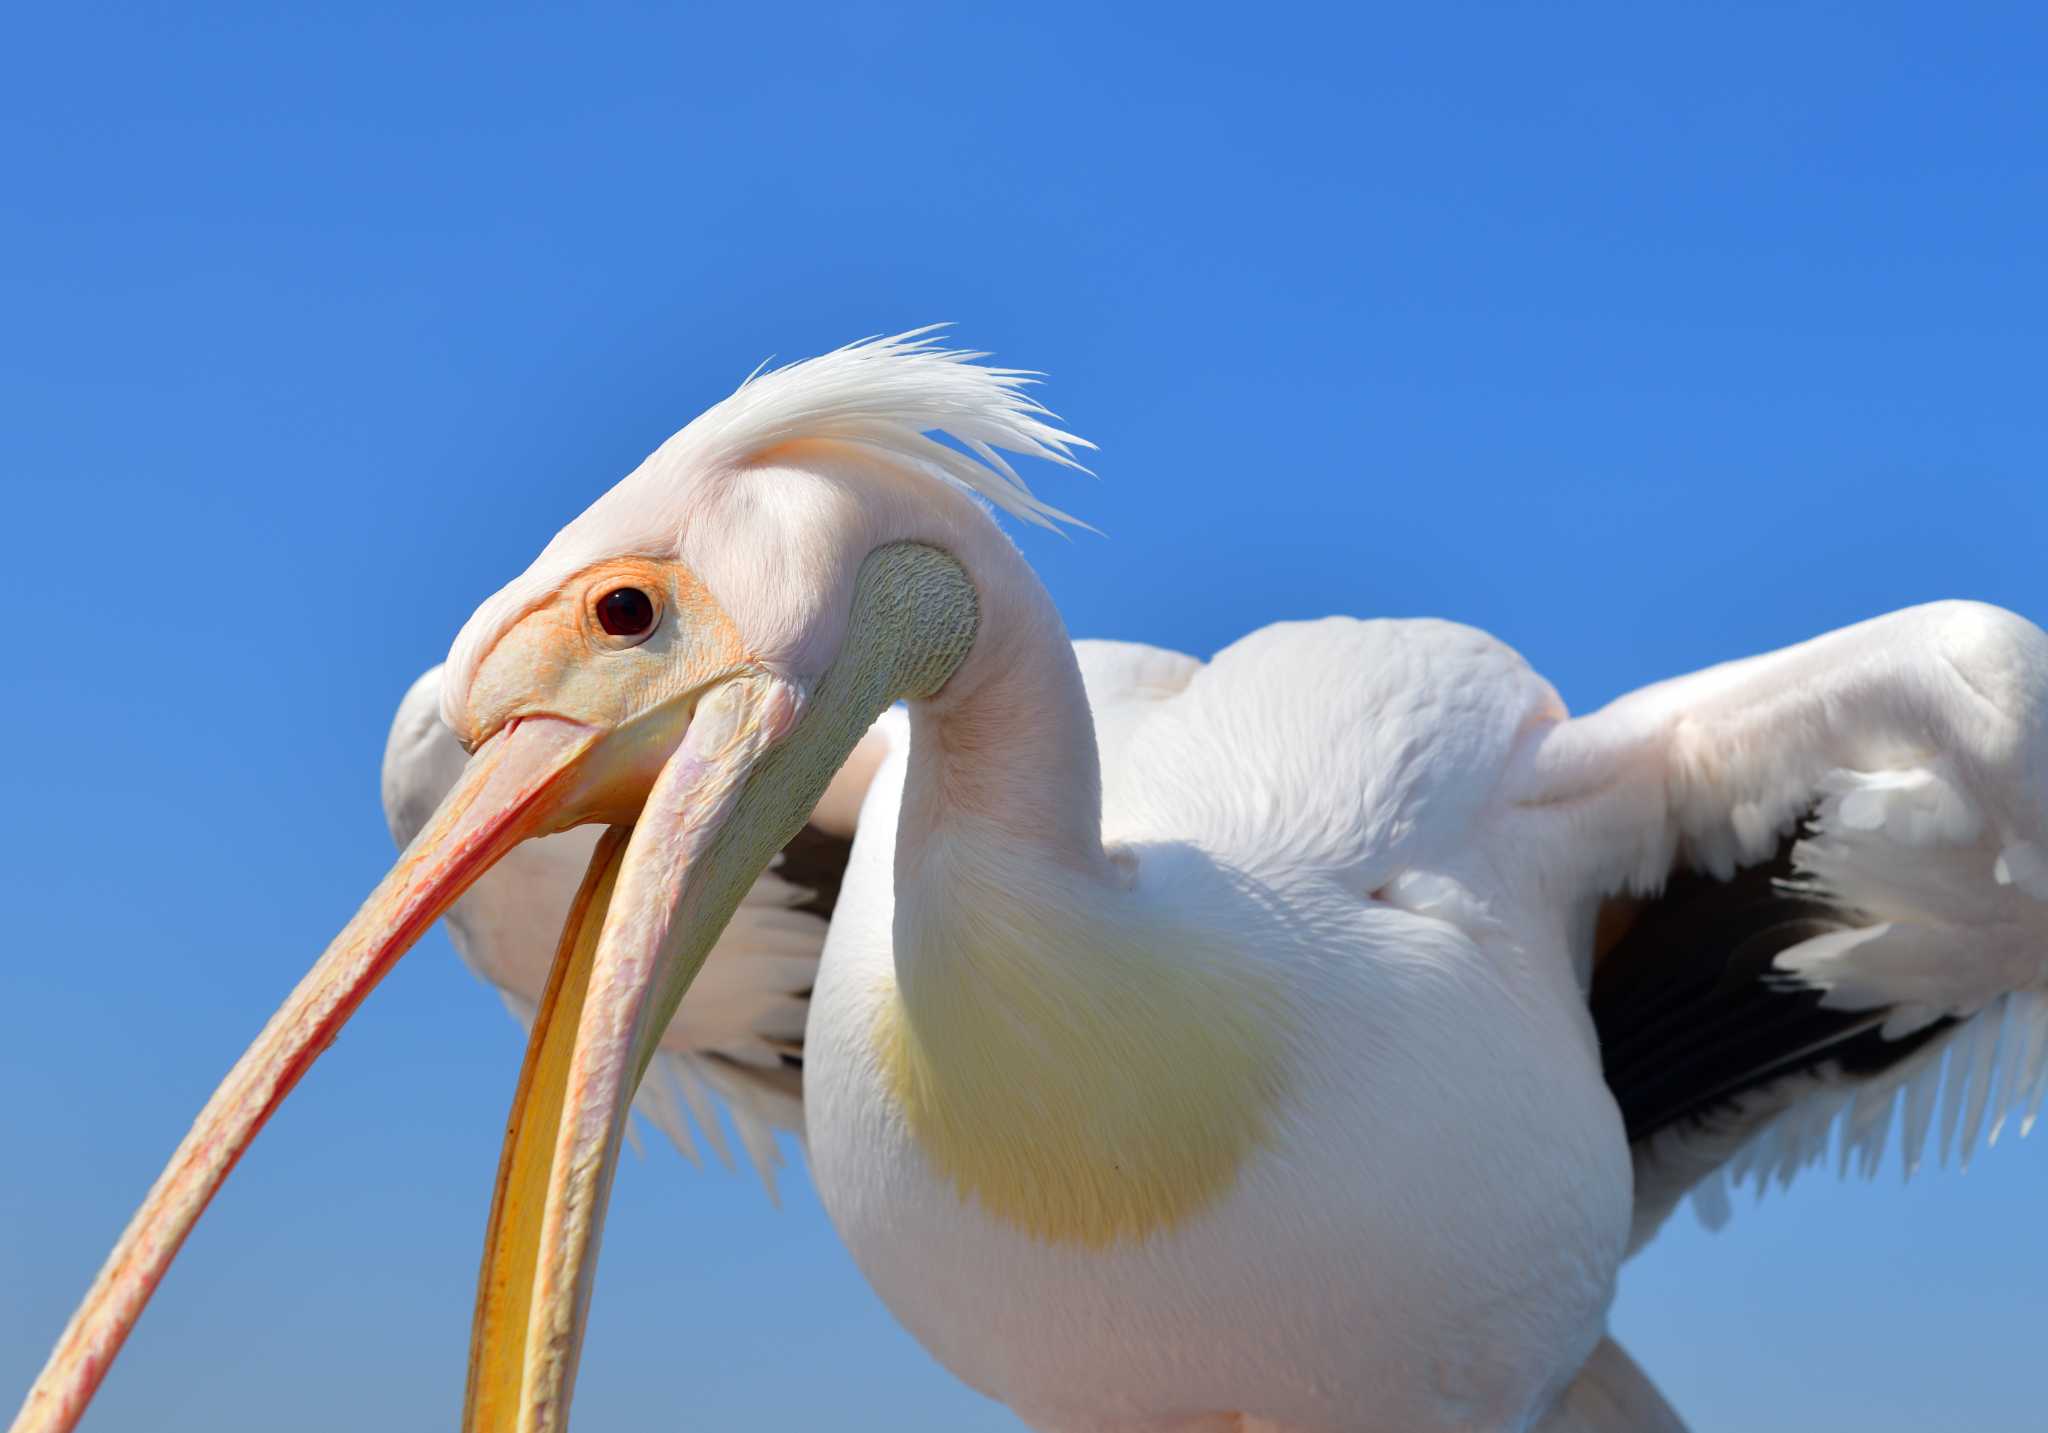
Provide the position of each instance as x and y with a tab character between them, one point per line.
1103	1097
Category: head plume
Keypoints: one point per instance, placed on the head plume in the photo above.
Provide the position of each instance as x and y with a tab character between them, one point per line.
890	397
890	394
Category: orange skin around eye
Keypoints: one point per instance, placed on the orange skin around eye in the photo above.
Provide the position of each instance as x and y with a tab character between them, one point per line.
556	659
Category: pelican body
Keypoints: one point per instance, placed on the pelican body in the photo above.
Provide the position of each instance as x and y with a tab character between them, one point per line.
1126	1119
1297	1042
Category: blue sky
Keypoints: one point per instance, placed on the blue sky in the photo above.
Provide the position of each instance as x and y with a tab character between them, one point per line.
1641	336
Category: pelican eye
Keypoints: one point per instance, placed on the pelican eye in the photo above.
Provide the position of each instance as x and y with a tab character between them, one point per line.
626	612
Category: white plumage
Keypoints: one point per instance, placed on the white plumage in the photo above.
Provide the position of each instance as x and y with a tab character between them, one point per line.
1298	1041
1390	843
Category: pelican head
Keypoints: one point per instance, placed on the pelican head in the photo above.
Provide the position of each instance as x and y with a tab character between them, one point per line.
690	661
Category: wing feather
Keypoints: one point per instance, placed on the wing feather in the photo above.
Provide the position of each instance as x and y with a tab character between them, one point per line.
1826	898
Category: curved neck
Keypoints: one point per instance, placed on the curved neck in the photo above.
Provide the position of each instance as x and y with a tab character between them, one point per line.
1003	763
1081	1060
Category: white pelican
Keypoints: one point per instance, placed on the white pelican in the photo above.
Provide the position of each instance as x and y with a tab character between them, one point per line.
1228	1055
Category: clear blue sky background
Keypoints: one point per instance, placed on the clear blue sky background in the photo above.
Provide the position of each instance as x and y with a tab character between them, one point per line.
1641	336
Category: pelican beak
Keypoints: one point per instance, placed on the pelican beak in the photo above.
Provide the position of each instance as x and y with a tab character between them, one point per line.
655	899
714	779
757	757
519	784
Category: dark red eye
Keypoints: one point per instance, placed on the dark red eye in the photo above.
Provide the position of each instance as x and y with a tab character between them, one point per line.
625	612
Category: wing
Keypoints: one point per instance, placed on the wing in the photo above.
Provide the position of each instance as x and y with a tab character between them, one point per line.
1124	681
1812	888
738	1037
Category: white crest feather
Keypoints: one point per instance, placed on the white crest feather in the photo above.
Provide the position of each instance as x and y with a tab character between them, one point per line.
888	395
892	394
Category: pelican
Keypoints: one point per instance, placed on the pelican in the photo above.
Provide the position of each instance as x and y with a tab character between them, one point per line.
1297	1041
